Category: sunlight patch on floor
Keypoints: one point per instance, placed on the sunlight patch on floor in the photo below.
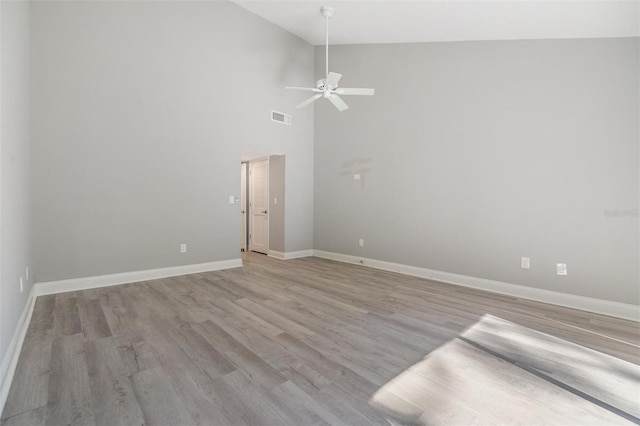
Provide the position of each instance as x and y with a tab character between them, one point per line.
498	372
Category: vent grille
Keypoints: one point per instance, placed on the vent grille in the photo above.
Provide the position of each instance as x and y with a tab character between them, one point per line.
281	117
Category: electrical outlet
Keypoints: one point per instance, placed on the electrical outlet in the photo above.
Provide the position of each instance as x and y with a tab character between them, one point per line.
561	268
525	262
21	285
183	248
361	242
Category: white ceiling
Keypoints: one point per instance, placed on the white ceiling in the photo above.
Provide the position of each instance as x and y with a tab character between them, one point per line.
400	21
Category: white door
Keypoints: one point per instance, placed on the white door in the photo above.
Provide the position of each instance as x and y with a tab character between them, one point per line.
243	206
258	206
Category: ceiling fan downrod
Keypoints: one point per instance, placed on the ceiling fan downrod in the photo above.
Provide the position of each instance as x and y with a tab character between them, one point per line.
327	12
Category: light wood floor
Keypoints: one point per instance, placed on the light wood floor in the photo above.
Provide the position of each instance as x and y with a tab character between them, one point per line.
304	341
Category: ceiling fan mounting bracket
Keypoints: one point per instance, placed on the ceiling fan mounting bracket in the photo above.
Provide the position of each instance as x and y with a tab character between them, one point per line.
327	11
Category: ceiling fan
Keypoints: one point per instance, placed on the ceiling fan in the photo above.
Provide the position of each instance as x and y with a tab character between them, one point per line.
328	87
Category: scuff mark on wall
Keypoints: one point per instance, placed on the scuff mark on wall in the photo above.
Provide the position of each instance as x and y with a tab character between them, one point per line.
354	169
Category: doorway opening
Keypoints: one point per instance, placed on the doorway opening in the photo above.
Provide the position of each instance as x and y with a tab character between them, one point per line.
262	200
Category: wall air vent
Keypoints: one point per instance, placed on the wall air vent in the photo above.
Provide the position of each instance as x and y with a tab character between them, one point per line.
281	117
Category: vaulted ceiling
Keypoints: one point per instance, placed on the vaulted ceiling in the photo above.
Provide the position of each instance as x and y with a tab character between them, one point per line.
399	21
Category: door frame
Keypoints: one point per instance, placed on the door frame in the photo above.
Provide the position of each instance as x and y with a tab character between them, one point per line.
250	209
244	213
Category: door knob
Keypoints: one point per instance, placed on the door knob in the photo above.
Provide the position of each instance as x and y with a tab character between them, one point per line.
241	211
265	212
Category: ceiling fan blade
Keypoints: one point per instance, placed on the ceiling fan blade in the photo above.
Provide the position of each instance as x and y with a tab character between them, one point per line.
308	101
354	91
338	103
308	89
332	80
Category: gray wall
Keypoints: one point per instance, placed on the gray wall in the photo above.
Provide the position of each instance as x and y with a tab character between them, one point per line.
141	113
276	211
474	154
15	147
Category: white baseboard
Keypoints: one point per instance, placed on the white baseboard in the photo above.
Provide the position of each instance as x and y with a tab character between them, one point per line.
291	254
75	284
599	306
298	254
10	359
276	254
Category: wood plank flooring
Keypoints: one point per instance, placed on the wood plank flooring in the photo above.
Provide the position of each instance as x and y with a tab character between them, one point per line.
297	342
498	372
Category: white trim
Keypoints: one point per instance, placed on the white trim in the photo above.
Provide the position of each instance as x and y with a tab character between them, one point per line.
276	254
605	307
10	360
599	306
298	254
291	254
377	264
76	284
